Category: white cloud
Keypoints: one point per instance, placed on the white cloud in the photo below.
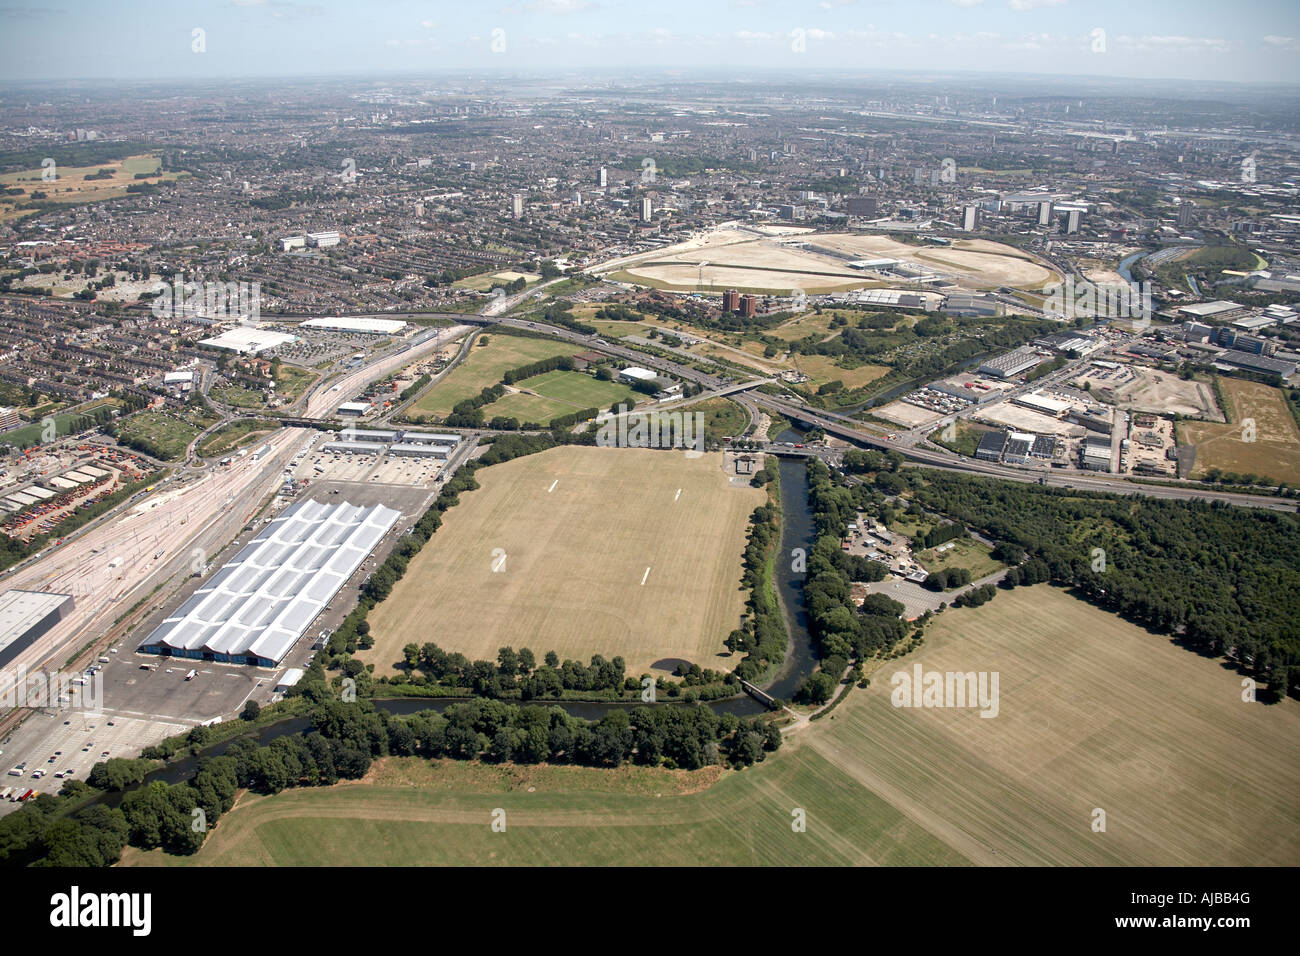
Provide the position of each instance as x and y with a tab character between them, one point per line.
1175	44
1031	4
557	6
1283	43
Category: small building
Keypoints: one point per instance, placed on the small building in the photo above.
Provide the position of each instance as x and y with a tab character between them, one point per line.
289	679
355	409
991	446
634	374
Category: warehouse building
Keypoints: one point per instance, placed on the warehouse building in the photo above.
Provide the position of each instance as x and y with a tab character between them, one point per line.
360	326
354	447
248	341
355	409
27	615
1219	309
1095	454
1012	363
429	438
256	607
969	305
991	445
1044	404
1283	368
420	450
1018	447
1044	446
368	434
634	374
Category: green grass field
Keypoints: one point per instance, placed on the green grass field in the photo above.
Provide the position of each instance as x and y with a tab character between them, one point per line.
484	367
602	556
964	553
575	816
66	423
1094	713
526	408
579	389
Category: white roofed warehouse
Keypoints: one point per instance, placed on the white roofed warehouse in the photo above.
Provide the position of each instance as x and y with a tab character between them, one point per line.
255	608
360	325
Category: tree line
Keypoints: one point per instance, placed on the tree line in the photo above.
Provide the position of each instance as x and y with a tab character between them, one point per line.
78	828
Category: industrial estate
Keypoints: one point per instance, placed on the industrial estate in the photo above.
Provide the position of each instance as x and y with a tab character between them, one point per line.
918	453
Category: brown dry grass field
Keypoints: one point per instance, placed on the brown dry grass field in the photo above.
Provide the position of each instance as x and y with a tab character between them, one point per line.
579	528
72	186
1274	451
1094	713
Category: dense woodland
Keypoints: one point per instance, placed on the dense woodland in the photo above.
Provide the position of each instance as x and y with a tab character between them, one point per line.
1225	579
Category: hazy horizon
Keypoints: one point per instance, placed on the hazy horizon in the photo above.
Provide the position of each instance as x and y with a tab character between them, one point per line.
152	40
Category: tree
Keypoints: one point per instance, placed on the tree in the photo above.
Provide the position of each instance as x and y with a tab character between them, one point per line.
252	709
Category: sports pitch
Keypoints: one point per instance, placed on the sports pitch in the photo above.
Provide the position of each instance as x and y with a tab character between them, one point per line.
619	552
484	367
1094	713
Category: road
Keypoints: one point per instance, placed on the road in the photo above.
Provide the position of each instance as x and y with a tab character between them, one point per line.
326	396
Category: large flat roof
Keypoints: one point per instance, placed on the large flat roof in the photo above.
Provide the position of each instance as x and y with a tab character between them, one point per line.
263	600
247	340
20	611
370	326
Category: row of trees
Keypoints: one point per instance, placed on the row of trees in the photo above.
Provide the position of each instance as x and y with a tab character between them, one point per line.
763	639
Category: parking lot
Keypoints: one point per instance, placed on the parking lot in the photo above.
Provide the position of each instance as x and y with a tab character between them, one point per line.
320	466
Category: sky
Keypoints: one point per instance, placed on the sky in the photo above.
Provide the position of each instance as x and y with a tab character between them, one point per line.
1238	41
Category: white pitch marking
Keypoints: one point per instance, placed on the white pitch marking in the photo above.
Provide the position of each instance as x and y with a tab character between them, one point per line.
678	495
644	576
553	484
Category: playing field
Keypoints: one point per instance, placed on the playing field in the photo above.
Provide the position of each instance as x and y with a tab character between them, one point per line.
628	552
551	394
1271	450
484	366
1094	714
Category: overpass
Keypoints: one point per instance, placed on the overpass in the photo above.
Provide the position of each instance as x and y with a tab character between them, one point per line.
846	429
